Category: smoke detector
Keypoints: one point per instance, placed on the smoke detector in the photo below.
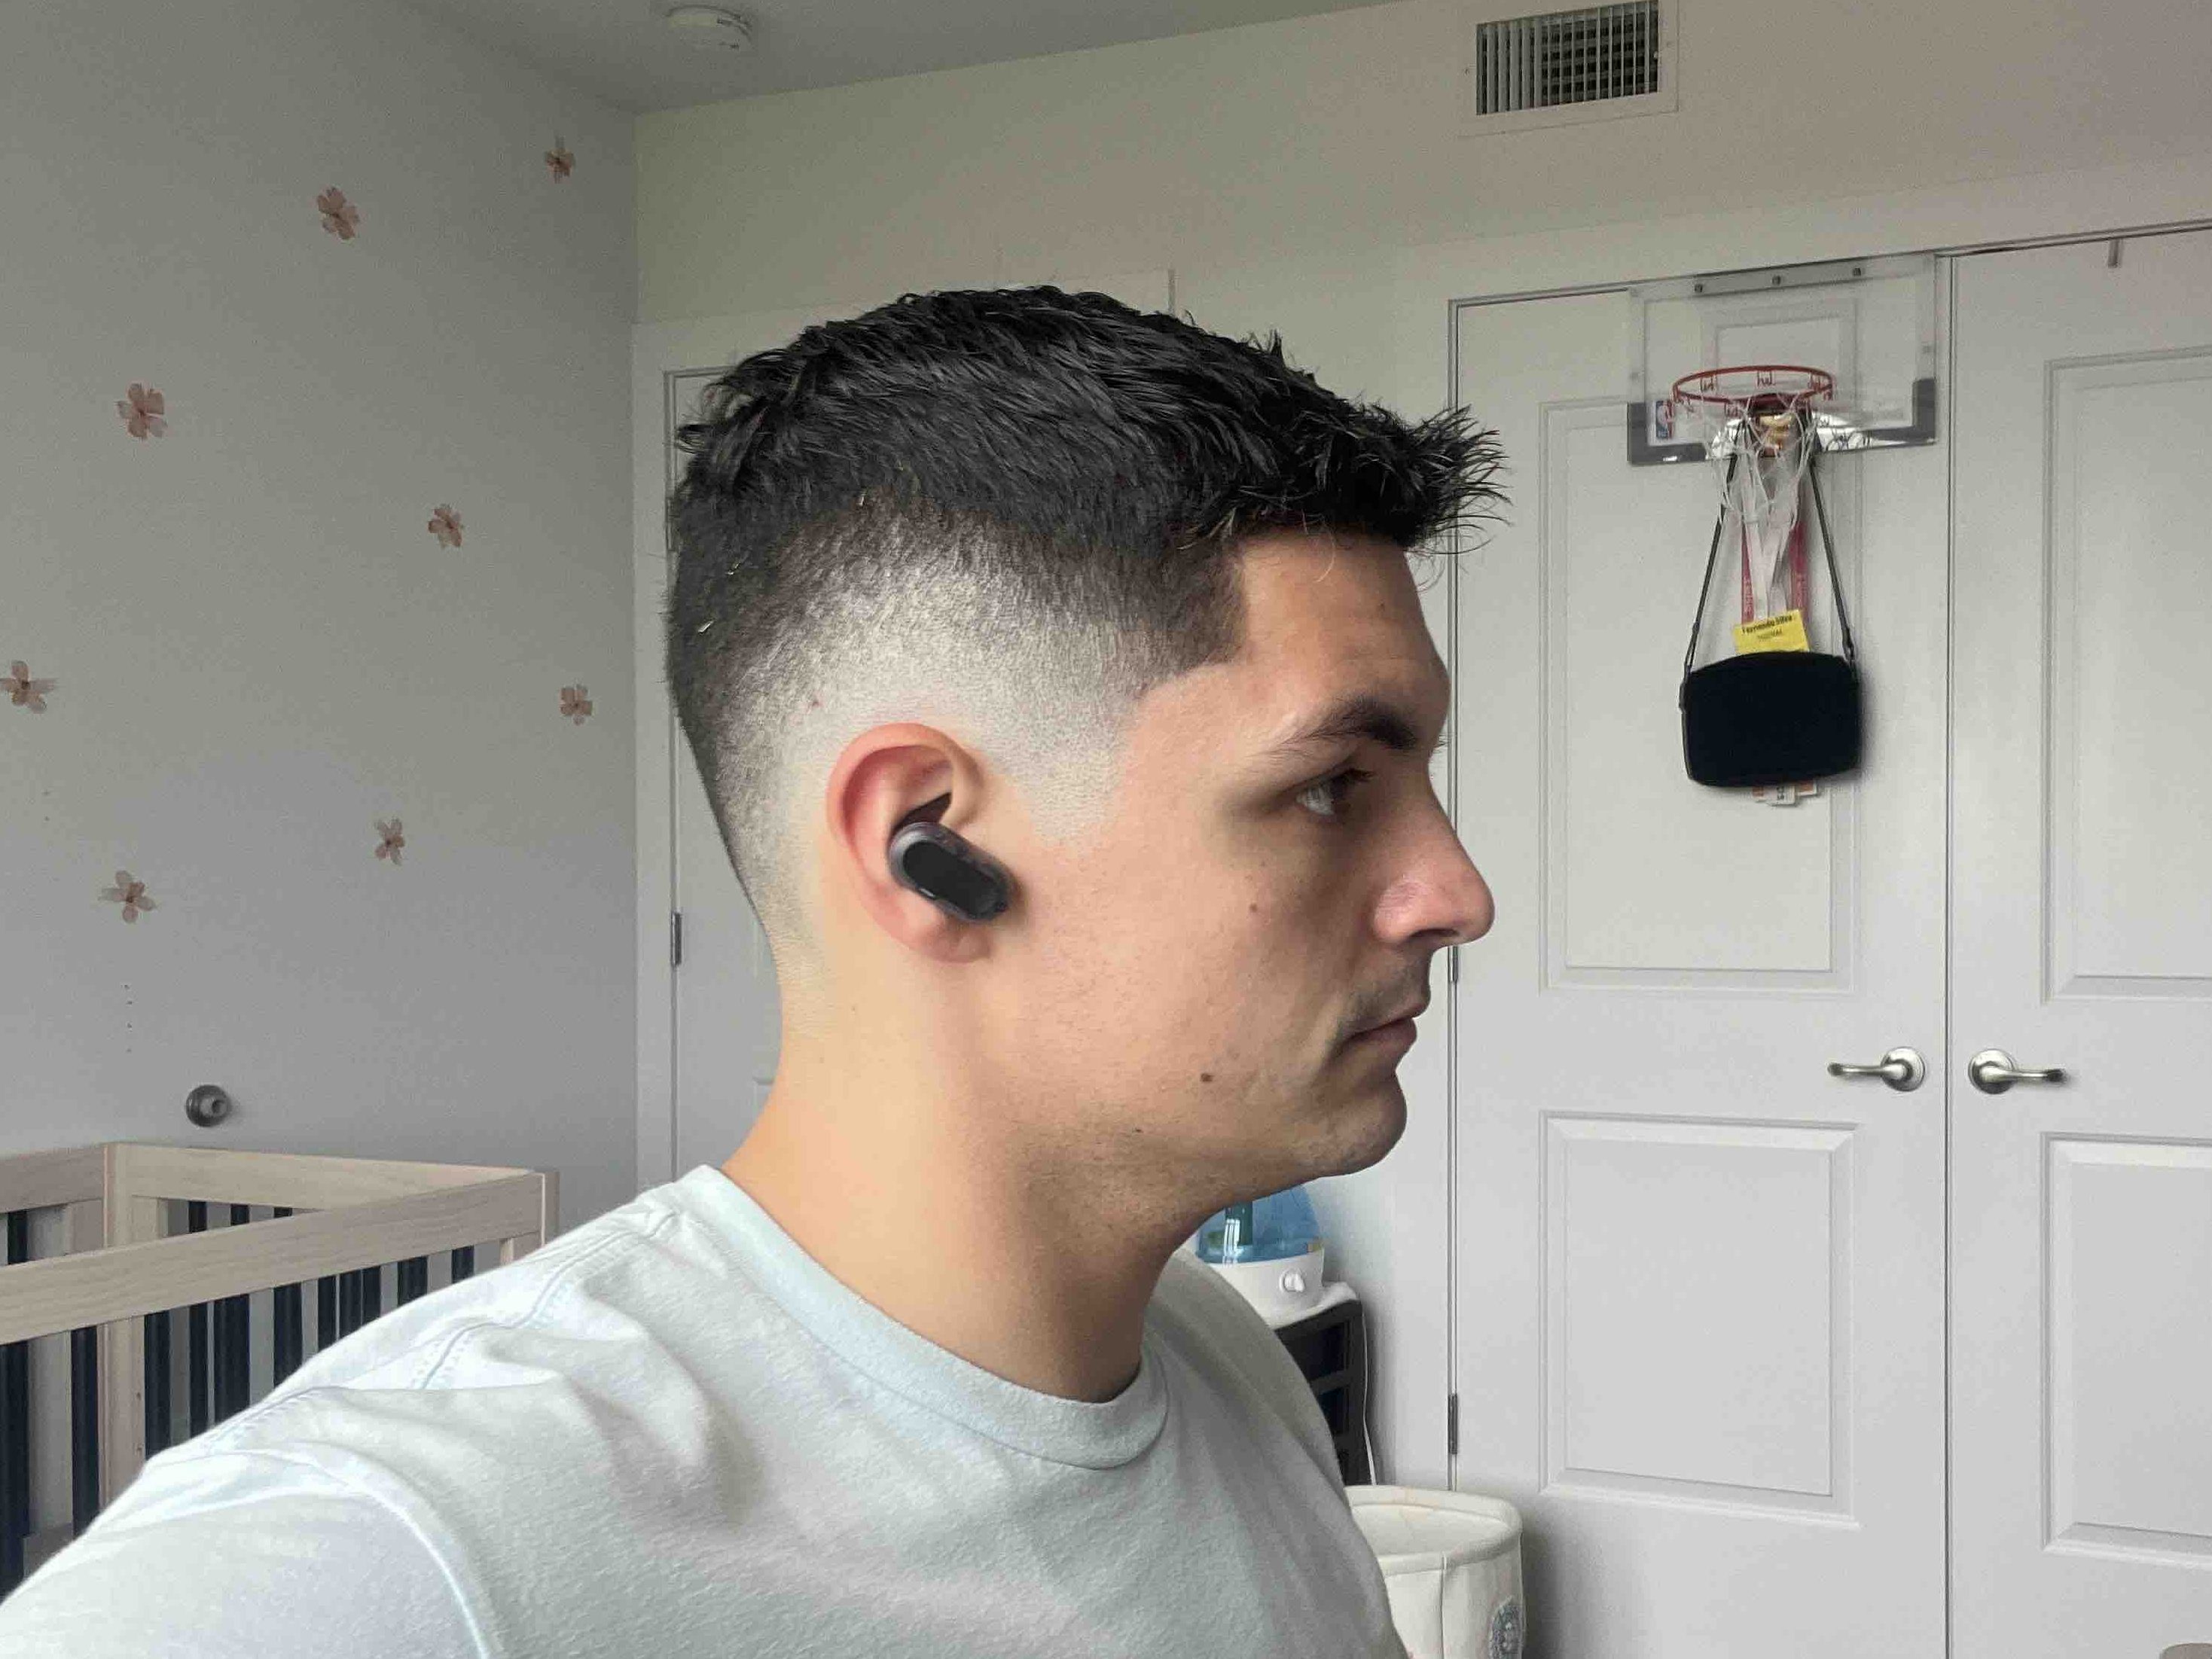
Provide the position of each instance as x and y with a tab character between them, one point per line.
710	26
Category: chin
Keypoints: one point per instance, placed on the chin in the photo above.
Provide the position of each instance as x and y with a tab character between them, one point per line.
1367	1132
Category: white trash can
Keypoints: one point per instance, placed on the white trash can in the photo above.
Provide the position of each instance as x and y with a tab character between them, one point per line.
1451	1563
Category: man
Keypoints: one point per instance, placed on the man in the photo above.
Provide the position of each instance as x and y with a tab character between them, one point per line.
1120	611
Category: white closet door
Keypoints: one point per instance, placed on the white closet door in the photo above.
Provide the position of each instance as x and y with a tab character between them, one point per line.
2081	878
1699	1287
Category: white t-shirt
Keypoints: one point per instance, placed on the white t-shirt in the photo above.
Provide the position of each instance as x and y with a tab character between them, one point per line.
671	1434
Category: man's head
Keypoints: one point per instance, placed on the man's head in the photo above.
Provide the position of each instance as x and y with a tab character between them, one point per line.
1065	577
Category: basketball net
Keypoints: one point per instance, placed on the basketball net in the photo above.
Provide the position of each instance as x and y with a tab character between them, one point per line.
1756	426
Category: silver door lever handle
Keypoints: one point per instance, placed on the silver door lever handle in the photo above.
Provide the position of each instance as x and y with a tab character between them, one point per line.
1901	1068
1992	1072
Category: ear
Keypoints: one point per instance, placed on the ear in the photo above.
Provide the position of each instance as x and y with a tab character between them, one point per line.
932	813
888	777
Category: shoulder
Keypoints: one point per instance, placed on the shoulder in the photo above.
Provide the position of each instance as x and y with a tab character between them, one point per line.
407	1463
430	1342
1224	1335
236	1547
472	1396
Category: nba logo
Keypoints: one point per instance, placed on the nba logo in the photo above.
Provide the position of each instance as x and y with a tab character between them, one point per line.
1662	419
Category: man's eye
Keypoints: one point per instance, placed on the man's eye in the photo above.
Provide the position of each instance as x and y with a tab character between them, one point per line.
1351	777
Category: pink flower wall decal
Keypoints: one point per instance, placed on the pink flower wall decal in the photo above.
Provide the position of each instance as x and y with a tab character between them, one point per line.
132	893
24	691
339	216
445	526
560	161
573	701
393	841
142	411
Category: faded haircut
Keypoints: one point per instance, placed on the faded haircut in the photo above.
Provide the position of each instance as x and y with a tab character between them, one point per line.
1009	513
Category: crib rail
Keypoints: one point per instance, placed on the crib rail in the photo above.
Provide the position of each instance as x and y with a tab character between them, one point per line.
137	1253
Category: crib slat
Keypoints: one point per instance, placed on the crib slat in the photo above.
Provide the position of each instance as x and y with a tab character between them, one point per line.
218	1360
284	1335
15	1429
243	1388
285	1309
196	1333
154	1357
156	1352
234	1341
84	1427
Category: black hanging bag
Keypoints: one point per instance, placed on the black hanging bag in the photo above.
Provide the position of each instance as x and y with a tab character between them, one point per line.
1772	716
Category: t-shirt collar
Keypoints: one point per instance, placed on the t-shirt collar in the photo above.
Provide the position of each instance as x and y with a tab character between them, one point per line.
1089	1434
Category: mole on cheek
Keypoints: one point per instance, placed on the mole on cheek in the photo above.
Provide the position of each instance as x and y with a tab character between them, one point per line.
1206	1077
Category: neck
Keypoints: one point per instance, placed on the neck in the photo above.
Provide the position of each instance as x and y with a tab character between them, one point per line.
1035	1269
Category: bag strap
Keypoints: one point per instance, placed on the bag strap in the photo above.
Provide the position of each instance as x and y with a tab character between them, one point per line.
1712	558
1828	546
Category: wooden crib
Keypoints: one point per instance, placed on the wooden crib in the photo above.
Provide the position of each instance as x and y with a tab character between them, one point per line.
108	1246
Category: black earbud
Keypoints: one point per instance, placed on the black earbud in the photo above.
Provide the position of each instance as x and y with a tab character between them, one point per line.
964	882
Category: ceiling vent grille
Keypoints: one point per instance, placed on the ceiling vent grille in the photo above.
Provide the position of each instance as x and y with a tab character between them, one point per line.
1588	55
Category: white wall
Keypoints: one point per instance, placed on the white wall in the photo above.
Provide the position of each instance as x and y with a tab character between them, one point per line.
1311	176
1337	136
260	650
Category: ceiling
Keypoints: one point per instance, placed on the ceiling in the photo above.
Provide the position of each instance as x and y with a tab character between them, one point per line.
623	52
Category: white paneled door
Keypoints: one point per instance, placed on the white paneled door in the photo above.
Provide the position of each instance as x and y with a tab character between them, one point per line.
2081	890
1698	1289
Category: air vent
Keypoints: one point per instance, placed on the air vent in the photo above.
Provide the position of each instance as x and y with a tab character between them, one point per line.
1590	55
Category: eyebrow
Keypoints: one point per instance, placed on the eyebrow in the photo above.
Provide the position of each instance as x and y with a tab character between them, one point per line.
1358	715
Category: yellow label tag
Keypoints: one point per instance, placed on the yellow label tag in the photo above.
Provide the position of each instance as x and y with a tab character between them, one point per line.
1784	631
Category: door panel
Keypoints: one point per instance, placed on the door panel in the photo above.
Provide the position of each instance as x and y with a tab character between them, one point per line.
1698	1284
2081	871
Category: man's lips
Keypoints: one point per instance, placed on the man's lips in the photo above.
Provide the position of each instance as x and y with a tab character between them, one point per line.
1407	1013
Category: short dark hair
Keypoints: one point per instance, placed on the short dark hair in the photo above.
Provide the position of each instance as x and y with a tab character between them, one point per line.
1042	488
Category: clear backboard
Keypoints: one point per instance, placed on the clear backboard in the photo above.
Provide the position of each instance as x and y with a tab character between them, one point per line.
1870	323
